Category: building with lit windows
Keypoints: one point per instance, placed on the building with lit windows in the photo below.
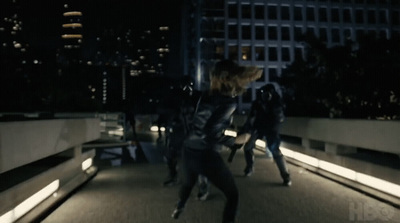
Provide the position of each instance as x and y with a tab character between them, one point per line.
264	32
72	33
121	56
11	30
73	29
16	60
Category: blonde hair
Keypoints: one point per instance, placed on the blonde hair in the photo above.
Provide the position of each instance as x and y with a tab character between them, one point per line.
230	79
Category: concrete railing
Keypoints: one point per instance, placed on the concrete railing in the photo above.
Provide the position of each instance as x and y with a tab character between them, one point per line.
343	135
26	145
112	124
344	142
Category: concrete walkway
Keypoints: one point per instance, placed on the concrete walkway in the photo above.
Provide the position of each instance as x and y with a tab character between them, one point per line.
132	192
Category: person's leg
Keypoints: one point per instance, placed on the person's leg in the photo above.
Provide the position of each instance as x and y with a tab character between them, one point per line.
172	177
249	153
273	142
173	152
204	188
190	174
219	174
268	152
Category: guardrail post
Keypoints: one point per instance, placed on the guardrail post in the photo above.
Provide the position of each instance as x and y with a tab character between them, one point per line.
335	149
311	144
77	151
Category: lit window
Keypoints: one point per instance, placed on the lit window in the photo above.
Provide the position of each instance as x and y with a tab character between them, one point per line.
246	53
72	25
76	13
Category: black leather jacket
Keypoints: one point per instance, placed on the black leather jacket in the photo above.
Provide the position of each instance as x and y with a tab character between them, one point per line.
265	116
213	115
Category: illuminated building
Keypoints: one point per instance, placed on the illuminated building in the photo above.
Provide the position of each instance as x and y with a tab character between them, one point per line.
263	33
72	32
11	30
16	60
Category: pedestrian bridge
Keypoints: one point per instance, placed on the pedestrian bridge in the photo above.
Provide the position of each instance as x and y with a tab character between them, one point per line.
67	170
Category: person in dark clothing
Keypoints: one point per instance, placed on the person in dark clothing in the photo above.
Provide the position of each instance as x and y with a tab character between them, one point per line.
264	121
185	98
184	102
213	114
130	118
131	125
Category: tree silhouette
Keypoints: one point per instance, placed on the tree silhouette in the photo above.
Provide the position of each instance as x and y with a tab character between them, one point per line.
356	80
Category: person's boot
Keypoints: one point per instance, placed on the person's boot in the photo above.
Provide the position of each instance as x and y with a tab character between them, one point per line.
171	180
248	171
281	163
178	210
249	157
204	189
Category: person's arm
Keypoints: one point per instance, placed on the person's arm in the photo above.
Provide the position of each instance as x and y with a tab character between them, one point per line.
250	119
217	123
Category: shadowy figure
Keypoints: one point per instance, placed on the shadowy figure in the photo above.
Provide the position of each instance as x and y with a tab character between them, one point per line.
182	102
131	125
213	114
265	119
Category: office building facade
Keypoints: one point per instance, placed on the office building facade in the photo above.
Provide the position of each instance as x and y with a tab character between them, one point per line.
265	33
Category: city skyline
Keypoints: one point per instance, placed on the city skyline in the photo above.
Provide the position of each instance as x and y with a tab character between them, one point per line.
42	19
95	42
267	34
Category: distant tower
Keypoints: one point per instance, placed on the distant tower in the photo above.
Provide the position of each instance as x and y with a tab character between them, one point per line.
72	33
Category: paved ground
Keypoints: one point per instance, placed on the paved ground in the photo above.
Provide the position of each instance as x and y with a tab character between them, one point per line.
131	192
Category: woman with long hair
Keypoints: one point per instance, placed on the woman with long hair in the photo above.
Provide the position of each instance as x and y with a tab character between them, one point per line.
214	113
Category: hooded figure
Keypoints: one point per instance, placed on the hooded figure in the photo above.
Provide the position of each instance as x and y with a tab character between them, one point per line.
264	121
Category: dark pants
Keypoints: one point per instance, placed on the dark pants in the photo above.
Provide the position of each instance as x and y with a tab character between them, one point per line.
174	143
210	164
273	142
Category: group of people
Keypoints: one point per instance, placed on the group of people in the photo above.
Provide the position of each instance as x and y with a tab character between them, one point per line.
196	134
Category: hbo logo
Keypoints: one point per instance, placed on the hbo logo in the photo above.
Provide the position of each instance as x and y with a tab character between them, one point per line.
359	211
